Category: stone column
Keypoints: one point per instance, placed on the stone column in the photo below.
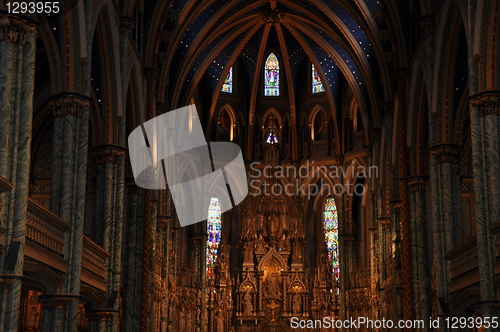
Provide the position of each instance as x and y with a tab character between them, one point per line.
401	76
17	67
133	258
109	197
420	271
151	204
54	308
98	320
446	214
69	175
485	128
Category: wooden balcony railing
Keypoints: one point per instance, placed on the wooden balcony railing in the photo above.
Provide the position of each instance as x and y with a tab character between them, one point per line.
94	257
93	264
45	236
45	228
495	231
463	258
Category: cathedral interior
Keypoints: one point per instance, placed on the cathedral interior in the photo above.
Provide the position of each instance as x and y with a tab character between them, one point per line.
370	135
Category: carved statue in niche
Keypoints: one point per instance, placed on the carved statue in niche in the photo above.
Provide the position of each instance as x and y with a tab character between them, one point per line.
219	321
247	303
284	243
260	244
247	253
297	304
272	287
223	272
182	321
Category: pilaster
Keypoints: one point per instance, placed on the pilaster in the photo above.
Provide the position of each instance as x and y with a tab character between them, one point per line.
17	68
485	132
420	255
68	185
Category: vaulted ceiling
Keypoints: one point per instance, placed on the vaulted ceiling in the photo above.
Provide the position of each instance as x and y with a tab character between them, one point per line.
201	40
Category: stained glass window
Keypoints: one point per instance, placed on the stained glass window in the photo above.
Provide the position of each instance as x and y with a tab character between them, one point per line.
317	86
228	82
272	138
272	76
214	233
331	229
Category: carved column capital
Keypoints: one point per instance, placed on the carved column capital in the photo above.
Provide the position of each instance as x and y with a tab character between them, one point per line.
385	222
127	24
388	109
132	187
427	24
14	29
151	74
417	183
58	301
377	134
349	239
161	108
109	154
446	153
165	36
401	75
68	104
100	315
487	101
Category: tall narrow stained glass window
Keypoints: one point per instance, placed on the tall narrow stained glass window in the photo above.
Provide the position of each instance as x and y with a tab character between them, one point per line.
317	86
272	76
228	82
214	224
331	230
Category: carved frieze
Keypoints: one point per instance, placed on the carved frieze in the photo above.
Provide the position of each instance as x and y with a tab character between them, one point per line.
418	183
488	102
68	104
446	153
15	30
427	24
271	16
109	154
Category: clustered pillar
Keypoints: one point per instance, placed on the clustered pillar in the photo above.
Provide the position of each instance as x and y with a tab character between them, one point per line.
17	67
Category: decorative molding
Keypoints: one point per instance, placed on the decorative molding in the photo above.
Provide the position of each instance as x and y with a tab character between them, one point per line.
101	315
57	301
161	108
377	134
446	153
401	75
427	24
68	104
378	14
339	158
165	36
271	16
388	109
418	183
109	154
151	74
127	24
132	187
14	29
487	101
